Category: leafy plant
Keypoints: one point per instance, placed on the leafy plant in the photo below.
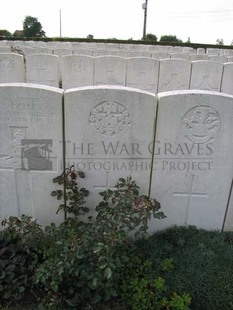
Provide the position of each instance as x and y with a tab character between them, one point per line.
73	196
83	260
20	254
203	264
141	290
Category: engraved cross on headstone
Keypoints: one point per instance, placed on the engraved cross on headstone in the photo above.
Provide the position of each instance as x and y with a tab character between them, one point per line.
205	84
174	81
189	193
42	74
106	185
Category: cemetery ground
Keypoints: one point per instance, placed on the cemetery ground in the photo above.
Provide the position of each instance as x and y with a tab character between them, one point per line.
96	265
201	264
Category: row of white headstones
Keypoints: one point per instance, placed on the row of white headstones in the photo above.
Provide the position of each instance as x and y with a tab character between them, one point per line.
177	146
31	46
140	72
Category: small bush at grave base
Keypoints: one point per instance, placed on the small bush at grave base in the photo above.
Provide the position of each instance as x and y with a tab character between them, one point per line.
20	254
86	263
142	290
83	260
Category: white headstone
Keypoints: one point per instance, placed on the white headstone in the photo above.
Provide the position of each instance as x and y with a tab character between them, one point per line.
206	75
218	58
174	74
41	44
160	55
200	51
153	48
5	49
103	52
229	52
30	44
193	57
76	45
141	54
12	68
121	53
176	49
228	223
109	132
43	50
110	70
180	55
213	51
62	51
143	73
193	161
189	50
65	45
83	51
100	45
28	50
112	46
77	71
227	79
135	47
42	69
30	150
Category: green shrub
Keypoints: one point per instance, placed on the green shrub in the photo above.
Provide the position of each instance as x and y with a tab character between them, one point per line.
141	290
20	253
83	259
203	264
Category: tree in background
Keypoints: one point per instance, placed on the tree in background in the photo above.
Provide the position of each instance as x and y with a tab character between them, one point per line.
5	33
151	37
32	27
219	42
170	38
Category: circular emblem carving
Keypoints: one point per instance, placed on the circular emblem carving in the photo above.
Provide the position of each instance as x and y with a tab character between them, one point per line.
201	124
110	118
6	64
76	66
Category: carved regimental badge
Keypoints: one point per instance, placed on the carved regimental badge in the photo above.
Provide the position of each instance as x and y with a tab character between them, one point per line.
201	124
6	64
110	118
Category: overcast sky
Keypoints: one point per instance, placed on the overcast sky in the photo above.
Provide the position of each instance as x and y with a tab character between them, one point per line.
204	21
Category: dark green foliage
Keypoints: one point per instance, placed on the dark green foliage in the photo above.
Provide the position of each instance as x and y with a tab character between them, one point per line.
5	33
151	37
142	290
83	260
170	38
32	27
83	264
19	256
203	264
73	196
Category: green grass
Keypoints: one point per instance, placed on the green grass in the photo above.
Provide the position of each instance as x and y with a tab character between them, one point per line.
203	264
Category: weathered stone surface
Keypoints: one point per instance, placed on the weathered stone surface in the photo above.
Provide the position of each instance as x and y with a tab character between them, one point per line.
11	68
174	74
193	162
30	150
108	136
143	73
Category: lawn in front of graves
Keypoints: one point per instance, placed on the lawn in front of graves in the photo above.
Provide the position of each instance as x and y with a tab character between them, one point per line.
184	260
